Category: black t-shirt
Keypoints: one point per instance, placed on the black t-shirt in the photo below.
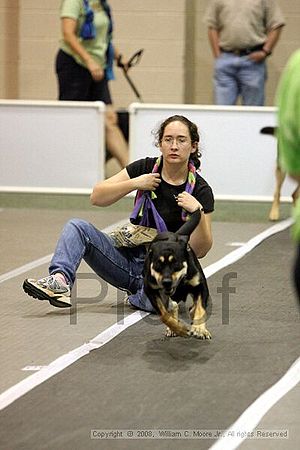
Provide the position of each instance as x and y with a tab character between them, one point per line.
166	193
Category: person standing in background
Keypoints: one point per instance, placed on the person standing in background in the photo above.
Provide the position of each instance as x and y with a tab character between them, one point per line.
242	35
84	63
288	134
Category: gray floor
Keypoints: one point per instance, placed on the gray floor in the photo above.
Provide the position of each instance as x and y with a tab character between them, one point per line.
34	334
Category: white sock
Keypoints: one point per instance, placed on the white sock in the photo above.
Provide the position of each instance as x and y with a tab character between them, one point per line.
61	277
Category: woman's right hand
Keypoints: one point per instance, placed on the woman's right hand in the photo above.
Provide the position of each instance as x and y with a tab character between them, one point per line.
148	181
95	70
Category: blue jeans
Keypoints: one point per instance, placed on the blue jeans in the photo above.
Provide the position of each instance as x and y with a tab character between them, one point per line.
120	267
236	76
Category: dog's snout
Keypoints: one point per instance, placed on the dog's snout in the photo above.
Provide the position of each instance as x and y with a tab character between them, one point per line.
167	283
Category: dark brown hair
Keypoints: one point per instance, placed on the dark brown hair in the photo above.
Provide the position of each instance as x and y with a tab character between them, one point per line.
194	135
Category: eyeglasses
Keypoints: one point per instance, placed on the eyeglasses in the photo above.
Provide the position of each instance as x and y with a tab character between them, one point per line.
181	141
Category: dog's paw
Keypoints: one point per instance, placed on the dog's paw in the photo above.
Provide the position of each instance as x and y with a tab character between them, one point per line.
199	332
170	333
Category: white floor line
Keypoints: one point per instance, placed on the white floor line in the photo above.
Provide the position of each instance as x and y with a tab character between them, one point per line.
26	268
24	386
235	244
250	418
45	259
59	364
237	254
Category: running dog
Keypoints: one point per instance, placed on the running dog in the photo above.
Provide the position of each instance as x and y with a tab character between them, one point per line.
280	175
172	272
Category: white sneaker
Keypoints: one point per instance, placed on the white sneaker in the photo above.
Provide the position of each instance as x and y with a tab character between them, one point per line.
49	288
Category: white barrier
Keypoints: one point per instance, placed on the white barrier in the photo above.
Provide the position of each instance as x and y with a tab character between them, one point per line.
237	160
51	146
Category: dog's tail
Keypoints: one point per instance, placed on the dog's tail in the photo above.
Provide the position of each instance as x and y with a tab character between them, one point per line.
178	327
188	227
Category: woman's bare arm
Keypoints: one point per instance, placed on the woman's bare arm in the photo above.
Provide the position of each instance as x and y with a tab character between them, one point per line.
116	187
69	34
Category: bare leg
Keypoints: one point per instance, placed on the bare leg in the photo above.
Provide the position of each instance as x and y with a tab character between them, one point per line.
279	177
115	141
112	167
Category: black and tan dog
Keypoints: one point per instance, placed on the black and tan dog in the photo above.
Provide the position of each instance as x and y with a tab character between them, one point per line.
172	272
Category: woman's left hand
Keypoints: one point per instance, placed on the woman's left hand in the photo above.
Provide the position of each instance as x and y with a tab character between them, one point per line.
188	202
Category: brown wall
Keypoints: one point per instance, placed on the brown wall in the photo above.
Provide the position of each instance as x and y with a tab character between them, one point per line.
202	60
176	66
9	48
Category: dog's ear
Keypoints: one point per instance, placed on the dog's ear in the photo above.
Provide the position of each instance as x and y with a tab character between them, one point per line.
188	227
183	238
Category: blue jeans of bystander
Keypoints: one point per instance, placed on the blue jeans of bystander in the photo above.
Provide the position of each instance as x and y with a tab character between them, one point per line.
236	76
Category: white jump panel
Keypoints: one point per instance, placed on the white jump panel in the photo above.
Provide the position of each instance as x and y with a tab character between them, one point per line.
237	160
51	146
